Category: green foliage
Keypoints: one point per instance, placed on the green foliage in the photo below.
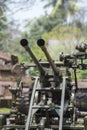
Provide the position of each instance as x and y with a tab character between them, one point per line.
34	71
82	74
48	26
3	20
41	25
2	25
62	32
4	110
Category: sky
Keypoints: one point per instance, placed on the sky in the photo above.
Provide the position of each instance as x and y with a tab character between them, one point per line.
20	15
29	12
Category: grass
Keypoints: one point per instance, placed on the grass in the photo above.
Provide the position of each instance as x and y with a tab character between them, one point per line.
4	110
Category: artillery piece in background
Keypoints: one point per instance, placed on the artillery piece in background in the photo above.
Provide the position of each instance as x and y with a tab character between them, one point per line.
17	93
77	61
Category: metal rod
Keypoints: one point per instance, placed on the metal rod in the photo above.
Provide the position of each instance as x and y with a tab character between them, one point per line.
62	104
27	127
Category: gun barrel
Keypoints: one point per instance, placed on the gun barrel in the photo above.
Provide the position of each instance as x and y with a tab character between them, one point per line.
24	43
41	44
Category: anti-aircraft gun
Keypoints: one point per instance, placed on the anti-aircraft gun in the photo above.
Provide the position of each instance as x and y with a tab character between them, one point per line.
50	105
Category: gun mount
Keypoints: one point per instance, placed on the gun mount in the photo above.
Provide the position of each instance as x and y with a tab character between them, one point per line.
49	96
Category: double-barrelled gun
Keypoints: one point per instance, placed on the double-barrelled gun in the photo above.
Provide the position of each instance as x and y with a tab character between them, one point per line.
44	76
